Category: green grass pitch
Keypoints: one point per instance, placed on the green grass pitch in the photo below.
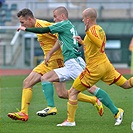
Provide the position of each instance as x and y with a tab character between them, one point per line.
87	118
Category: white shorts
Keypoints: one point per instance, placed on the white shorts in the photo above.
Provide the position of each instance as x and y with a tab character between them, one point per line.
71	70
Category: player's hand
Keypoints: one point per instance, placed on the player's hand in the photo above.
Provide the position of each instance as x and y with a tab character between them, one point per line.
46	60
21	28
78	38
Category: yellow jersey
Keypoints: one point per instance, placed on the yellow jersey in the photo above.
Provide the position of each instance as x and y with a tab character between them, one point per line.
94	45
48	40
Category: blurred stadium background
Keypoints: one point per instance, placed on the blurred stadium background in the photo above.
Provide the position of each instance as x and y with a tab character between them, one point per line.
20	50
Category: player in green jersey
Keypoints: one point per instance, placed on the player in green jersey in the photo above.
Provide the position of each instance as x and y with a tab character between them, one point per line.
73	61
47	41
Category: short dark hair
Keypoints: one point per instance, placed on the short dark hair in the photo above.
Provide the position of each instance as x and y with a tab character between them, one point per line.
25	13
62	9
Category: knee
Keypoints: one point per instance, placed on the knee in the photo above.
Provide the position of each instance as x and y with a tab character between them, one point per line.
73	92
44	78
126	85
92	89
25	83
41	78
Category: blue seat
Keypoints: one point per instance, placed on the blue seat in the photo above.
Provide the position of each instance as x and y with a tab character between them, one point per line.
4	7
6	16
13	7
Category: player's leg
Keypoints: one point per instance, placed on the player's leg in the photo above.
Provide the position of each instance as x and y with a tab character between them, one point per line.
98	92
62	92
91	99
57	75
32	79
72	103
48	89
47	86
106	100
124	83
73	68
61	75
110	74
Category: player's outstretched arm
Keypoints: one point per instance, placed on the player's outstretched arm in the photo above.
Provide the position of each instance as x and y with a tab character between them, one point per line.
35	30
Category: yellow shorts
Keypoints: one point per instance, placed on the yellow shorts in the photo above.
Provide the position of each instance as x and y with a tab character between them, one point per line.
42	68
105	72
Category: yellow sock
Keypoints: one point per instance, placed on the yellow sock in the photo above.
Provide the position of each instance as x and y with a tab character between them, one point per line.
71	110
85	98
26	98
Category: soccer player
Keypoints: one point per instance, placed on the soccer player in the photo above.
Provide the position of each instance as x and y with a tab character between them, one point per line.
69	45
47	41
98	66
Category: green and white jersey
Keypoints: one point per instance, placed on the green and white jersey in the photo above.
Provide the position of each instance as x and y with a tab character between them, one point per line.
66	30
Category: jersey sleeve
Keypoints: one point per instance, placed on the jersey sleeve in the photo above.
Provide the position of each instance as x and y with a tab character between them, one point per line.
57	27
38	30
93	34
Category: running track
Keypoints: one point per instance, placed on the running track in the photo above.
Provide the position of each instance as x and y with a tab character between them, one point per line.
9	72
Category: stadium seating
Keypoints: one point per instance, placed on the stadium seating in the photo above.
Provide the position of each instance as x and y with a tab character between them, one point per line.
13	7
7	15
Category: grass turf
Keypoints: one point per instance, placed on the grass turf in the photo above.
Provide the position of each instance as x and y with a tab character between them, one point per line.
87	118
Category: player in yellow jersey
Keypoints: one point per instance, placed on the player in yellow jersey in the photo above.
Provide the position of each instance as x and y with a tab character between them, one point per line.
47	41
98	67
